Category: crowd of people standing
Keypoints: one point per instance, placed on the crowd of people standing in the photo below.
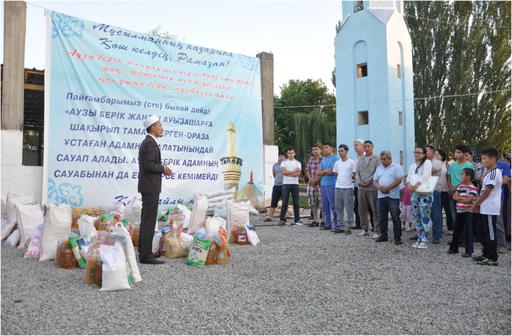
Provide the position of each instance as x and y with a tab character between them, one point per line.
361	194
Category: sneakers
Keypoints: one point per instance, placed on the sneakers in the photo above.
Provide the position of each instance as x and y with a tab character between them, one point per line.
348	232
415	245
466	255
299	223
436	241
422	245
313	224
338	230
381	239
398	242
449	233
487	262
408	229
375	236
452	252
325	228
363	233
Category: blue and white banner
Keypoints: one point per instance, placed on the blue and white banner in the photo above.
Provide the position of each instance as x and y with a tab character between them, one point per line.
103	81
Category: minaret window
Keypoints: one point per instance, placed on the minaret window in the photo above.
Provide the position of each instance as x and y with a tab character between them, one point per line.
362	118
358	6
401	158
362	70
400	120
398	71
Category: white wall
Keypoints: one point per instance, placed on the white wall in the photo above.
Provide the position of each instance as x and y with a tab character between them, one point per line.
16	177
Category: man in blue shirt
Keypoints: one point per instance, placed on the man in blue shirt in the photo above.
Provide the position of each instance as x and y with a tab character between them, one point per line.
327	183
387	180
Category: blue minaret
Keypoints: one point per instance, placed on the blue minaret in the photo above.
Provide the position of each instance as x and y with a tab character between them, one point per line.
374	78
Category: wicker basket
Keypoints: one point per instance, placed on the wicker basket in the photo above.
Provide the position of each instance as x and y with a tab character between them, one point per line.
65	257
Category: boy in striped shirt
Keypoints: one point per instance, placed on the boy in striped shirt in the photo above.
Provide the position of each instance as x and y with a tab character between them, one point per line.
464	195
489	206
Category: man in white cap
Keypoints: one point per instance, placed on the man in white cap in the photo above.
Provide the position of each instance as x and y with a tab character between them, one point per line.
150	186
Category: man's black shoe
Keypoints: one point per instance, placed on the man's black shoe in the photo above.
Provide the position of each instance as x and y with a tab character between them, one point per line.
381	239
414	238
156	255
151	260
398	242
338	231
313	224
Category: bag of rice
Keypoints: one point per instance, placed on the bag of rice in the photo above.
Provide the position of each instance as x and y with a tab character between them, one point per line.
12	200
57	228
115	276
28	217
198	252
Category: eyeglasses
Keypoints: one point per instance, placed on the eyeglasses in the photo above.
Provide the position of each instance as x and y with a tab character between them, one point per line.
418	152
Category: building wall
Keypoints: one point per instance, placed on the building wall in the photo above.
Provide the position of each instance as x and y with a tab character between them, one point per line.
16	177
378	36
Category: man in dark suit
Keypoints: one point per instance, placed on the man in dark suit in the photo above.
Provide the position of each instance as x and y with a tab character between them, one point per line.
150	186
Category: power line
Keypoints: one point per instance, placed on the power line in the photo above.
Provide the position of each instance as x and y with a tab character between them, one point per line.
422	98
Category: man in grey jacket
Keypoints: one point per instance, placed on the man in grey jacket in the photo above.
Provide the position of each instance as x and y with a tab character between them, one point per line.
367	192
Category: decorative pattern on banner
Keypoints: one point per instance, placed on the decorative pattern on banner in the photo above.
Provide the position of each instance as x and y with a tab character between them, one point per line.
106	80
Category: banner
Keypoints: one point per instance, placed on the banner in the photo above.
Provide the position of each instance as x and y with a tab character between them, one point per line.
102	82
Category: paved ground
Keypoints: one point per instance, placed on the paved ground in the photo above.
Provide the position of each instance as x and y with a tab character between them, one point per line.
298	281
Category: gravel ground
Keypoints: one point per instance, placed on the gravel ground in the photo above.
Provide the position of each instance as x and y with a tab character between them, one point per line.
297	281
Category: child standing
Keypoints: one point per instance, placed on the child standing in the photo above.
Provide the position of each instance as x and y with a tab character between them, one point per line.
464	195
406	213
489	206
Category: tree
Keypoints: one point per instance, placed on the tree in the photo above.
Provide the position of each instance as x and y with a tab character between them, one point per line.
300	97
459	48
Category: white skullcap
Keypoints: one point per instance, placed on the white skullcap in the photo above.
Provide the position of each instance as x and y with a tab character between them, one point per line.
150	121
361	141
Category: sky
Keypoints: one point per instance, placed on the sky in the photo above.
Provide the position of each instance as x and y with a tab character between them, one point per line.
300	34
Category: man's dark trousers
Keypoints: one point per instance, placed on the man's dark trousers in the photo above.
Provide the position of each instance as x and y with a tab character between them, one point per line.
391	205
149	215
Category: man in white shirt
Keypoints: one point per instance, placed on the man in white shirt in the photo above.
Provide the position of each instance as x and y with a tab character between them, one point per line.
290	168
488	205
344	191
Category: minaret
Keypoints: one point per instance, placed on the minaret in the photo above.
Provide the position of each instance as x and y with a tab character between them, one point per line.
231	164
374	78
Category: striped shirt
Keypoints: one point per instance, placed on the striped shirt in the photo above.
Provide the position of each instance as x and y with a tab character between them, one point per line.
465	190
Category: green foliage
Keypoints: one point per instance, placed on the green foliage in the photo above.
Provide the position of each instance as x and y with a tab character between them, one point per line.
461	47
310	94
311	128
